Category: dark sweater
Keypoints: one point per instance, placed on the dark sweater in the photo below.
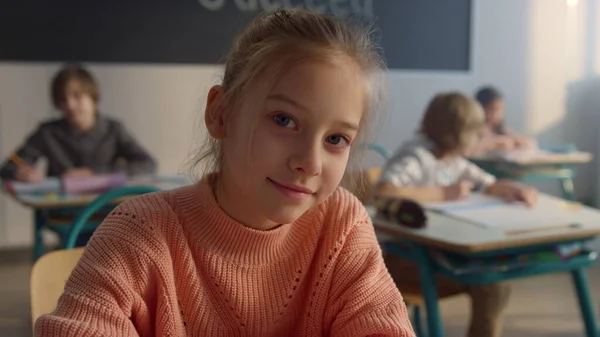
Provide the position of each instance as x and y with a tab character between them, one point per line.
99	149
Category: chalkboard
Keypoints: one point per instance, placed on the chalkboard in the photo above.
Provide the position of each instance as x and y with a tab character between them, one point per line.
414	34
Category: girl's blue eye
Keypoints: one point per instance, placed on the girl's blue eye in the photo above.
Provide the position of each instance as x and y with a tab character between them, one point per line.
338	140
284	121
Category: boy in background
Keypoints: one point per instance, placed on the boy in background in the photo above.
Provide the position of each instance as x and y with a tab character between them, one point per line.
81	143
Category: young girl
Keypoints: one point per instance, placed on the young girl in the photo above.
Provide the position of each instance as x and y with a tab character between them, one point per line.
82	142
267	245
430	167
495	135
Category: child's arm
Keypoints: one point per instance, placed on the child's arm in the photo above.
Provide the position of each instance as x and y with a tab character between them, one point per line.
492	143
512	191
425	194
29	152
138	159
403	177
505	189
507	139
363	300
481	179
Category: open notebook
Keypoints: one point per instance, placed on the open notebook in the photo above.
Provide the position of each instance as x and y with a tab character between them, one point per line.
73	185
489	212
49	185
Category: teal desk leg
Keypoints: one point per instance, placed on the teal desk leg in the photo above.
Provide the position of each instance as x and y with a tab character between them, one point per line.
585	302
568	189
418	322
429	289
38	241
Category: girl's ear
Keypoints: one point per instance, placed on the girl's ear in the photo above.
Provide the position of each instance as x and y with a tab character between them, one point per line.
214	114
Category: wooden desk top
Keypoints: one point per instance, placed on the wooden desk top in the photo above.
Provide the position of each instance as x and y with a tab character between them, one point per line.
546	159
452	234
44	201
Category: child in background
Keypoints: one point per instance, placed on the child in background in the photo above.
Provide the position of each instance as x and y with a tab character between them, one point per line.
82	142
266	244
495	135
431	168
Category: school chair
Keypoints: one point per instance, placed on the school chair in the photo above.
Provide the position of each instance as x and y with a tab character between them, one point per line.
361	181
48	278
358	181
382	150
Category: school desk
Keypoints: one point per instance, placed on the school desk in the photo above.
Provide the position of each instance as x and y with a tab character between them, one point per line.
553	166
48	207
450	233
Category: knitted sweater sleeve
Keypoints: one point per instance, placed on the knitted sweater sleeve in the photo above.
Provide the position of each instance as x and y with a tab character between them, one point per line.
364	299
107	292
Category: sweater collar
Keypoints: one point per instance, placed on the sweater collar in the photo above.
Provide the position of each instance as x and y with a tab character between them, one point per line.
217	232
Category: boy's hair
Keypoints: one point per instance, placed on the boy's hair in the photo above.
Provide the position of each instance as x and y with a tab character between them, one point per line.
451	121
275	42
73	72
487	95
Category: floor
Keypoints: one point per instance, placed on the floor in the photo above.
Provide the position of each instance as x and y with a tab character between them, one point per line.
541	306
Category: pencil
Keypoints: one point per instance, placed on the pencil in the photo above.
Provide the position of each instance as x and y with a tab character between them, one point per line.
18	161
539	229
459	218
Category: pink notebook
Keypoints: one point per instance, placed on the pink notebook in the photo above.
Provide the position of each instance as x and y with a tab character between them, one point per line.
94	184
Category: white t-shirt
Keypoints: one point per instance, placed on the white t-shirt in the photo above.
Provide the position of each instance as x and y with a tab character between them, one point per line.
414	165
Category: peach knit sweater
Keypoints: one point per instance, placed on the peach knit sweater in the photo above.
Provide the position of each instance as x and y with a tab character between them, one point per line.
174	264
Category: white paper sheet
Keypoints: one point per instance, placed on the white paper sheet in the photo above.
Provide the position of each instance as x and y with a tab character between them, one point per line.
547	213
50	185
474	201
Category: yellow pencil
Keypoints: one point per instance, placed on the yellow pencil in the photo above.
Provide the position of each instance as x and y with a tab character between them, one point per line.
570	205
18	161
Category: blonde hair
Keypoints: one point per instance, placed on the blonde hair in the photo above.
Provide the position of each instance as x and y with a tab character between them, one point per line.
451	122
277	40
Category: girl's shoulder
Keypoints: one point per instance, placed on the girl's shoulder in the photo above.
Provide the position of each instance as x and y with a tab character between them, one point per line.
142	216
344	209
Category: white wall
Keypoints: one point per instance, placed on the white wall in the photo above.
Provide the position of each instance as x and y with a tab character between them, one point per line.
562	84
22	104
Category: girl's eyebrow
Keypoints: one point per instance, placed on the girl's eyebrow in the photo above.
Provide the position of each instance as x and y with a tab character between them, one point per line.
348	125
286	99
289	100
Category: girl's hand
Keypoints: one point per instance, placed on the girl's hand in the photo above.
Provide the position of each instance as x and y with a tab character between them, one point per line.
458	191
505	143
514	192
28	174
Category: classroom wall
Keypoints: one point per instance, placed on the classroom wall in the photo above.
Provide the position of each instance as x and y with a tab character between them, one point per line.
161	103
562	87
583	104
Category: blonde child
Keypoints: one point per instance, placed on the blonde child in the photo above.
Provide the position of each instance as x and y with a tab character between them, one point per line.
431	167
267	244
